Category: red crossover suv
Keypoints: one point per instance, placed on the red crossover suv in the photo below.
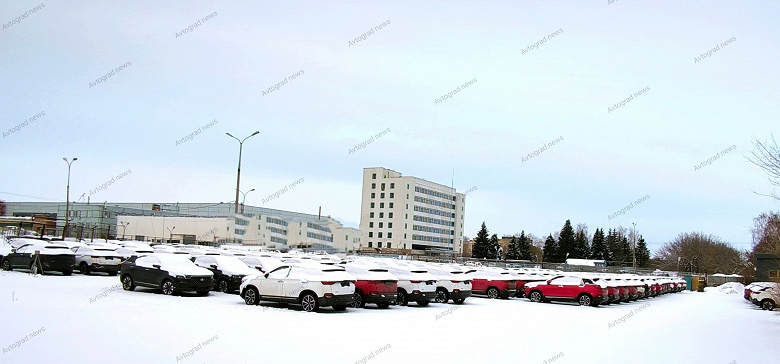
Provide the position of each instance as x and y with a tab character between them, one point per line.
493	283
567	288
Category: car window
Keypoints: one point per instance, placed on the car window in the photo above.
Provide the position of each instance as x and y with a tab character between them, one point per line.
147	262
279	273
567	281
587	281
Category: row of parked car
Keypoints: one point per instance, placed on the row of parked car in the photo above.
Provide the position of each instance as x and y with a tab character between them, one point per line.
763	294
313	281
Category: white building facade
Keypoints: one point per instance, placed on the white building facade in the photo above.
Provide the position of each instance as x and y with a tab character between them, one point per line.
406	212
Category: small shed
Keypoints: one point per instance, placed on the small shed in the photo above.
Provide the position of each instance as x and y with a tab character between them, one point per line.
587	262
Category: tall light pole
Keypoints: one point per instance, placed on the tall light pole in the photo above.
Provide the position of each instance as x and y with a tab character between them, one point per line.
124	227
634	239
243	199
240	149
67	197
170	231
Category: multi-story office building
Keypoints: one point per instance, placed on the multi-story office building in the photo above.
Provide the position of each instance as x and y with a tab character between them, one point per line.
407	212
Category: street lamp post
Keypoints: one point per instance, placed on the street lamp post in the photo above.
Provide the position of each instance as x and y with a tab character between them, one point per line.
67	198
170	232
238	174
634	239
243	199
124	227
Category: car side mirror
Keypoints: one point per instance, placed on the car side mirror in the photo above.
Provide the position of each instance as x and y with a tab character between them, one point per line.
156	266
213	266
266	275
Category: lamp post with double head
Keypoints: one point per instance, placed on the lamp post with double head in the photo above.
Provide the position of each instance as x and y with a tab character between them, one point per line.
240	150
67	197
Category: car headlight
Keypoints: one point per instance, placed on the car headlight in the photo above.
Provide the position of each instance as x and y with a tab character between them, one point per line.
181	276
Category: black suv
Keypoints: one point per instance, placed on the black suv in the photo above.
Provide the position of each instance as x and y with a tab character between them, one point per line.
53	257
228	271
170	273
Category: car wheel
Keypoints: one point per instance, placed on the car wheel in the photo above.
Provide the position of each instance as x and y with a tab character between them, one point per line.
358	301
401	299
250	296
536	296
383	304
584	300
6	265
458	300
309	302
492	292
339	308
67	272
127	283
222	285
442	296
767	305
167	287
84	269
423	303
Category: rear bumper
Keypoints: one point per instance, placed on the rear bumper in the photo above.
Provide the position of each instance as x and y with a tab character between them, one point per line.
422	296
336	300
381	298
460	295
108	268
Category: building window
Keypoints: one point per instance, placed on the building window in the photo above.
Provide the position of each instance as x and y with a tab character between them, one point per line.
369	244
392	195
389	235
382	195
379	234
372	205
379	244
407	196
373	176
407	186
383	186
392	185
389	225
391	205
370	235
404	238
373	195
774	274
371	215
381	205
388	245
373	186
381	215
390	215
380	225
370	224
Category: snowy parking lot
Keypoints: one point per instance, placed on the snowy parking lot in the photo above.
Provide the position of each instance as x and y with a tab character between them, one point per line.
82	319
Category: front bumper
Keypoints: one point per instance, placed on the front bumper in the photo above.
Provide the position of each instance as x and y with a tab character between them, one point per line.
336	300
194	283
422	296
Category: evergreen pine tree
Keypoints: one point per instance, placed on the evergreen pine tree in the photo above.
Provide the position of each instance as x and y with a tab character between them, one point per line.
479	249
581	248
642	253
513	251
565	242
524	247
625	251
613	246
550	250
599	247
493	249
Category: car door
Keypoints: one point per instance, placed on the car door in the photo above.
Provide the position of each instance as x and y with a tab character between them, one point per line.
145	272
21	258
559	287
273	285
295	282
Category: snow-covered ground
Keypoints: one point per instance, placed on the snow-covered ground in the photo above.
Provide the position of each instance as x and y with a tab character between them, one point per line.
80	319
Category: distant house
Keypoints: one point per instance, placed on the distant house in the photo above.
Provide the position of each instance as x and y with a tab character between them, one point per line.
587	262
767	267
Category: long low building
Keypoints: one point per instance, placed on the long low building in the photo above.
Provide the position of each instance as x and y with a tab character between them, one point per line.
195	223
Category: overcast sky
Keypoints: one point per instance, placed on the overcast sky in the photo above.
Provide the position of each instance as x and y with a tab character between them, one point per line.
526	94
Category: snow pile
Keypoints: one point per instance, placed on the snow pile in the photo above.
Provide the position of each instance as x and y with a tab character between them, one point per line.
727	288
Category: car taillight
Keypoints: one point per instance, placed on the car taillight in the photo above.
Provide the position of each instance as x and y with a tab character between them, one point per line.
328	295
328	283
416	291
455	290
416	281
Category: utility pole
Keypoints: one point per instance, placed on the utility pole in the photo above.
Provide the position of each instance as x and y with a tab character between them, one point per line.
238	174
67	197
634	239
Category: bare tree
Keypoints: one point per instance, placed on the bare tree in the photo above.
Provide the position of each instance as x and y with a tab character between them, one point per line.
700	253
766	156
766	233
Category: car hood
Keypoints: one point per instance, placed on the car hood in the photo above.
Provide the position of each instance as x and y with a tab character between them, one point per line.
181	270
